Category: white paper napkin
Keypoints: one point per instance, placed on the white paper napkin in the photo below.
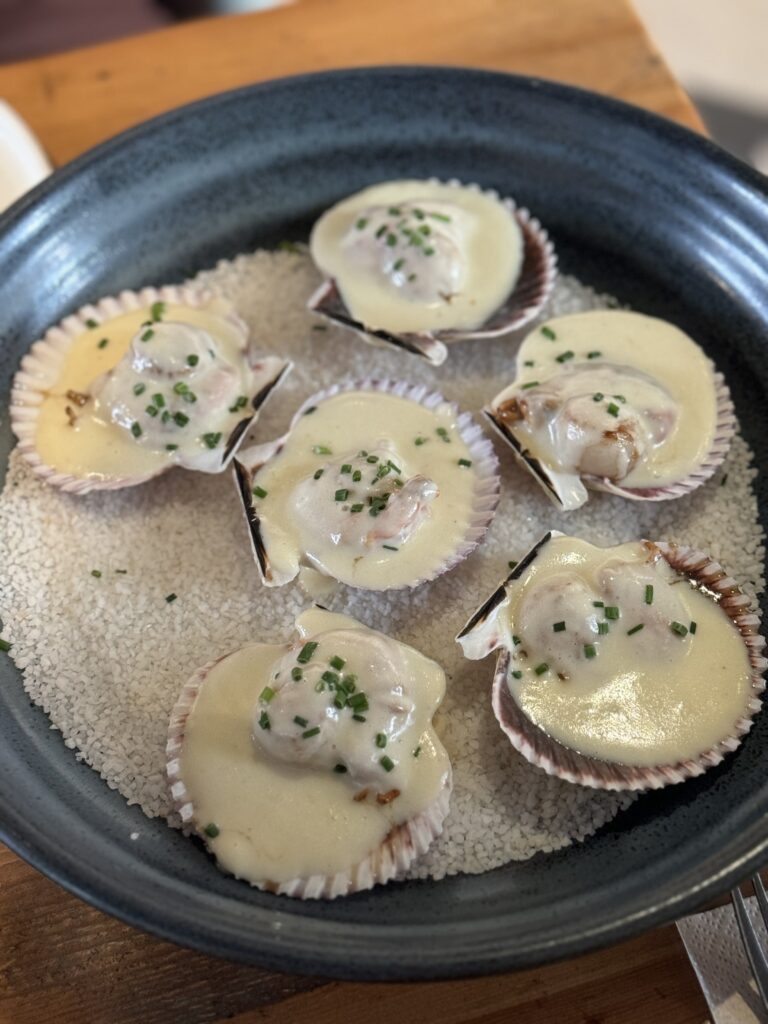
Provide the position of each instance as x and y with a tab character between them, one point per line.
713	943
22	161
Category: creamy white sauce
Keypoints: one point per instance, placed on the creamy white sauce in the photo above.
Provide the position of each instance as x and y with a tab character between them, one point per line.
592	680
279	808
612	395
137	393
321	500
411	256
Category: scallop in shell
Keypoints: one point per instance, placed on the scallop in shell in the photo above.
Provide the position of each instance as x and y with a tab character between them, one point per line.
129	387
419	265
624	668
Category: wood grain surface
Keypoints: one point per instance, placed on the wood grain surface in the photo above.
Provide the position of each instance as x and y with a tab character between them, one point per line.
63	961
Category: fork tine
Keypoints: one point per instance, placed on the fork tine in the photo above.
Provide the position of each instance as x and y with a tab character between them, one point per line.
755	955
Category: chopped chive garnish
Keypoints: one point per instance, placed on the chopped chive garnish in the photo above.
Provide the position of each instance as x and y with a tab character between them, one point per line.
564	356
692	628
397	265
381	740
260	492
296	676
300	721
306	652
309	733
136	429
318	473
349	682
193	360
649	593
346	468
558	627
393	467
516	640
171	447
387	763
321	449
358	701
103	343
151	410
391	239
417	751
530	384
91	323
517	674
180	419
465	462
678	628
156	310
242	401
358	507
598	604
359	718
139	389
122	572
529	362
440	216
443	434
513	564
412	277
166	416
598	396
372	459
611	612
429	251
96	573
425	229
724	481
211	830
170	598
189	396
541	669
636	629
337	663
420	441
548	333
590	650
158	400
357	476
330	678
389	547
264	722
594	355
620	398
266	694
180	387
340	769
380	231
148	334
342	494
211	440
418	213
613	409
602	628
361	222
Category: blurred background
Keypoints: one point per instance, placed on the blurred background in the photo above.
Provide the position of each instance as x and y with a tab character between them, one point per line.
715	47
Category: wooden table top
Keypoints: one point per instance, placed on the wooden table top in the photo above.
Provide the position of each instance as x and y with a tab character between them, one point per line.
61	960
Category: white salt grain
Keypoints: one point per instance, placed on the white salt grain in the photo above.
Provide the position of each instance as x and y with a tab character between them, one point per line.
106	657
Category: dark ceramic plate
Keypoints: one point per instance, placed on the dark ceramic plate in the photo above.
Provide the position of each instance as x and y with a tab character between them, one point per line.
637	206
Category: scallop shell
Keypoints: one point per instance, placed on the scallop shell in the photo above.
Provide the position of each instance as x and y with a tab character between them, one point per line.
557	759
532	289
485	466
725	428
401	847
41	366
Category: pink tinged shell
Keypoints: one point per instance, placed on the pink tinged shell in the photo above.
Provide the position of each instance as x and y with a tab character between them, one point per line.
404	844
557	485
526	300
485	467
479	637
41	367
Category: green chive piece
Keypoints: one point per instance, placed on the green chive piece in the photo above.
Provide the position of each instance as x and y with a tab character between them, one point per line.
394	211
266	694
158	400
692	628
548	333
440	216
296	676
420	440
391	240
513	564
309	733
429	251
530	384
157	309
91	323
166	416
678	628
389	547
541	669
516	640
357	476
594	355
387	763
358	701
359	718
649	593
139	389
372	459
724	481
318	474
361	222
602	628
598	396
613	409
342	494
193	360
381	740
96	573
517	674
611	612
122	572
260	492
529	362
306	652
189	396
170	598
565	356
321	449
337	663
417	751
558	627
465	462
211	830
425	229
356	508
148	334
103	343
264	722
442	433
211	440
136	429
393	467
180	387
346	468
300	721
620	398
349	682
590	650
151	410
380	231
181	419
340	769
398	264
636	629
171	447
598	604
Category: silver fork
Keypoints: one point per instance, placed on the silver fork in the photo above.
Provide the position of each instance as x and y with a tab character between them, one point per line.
755	954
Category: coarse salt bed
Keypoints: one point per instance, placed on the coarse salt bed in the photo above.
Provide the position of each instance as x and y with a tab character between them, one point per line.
107	656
